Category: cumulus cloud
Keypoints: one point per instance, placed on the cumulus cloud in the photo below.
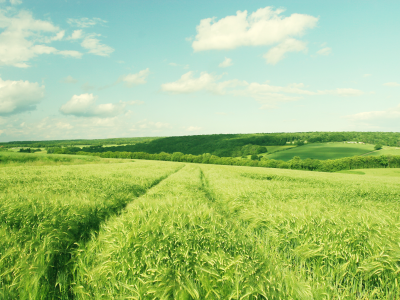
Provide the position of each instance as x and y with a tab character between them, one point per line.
71	53
391	113
265	93
392	84
95	47
69	79
19	96
136	79
226	63
325	51
24	38
277	53
15	2
84	105
77	34
85	22
189	84
263	27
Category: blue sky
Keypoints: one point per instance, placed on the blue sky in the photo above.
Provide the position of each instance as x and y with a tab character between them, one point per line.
102	69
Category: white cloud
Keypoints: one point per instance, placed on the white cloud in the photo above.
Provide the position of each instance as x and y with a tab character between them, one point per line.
325	51
84	105
367	75
23	37
226	63
71	53
19	96
193	128
95	47
277	53
69	79
136	79
189	84
263	27
77	34
268	95
15	2
391	113
85	22
392	84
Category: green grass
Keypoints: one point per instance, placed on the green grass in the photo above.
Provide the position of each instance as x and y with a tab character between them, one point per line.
323	151
9	158
46	211
388	172
386	151
162	230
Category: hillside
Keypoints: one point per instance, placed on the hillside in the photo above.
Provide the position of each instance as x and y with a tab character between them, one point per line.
323	151
235	145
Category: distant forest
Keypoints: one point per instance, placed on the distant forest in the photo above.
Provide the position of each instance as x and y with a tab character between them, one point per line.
71	143
233	145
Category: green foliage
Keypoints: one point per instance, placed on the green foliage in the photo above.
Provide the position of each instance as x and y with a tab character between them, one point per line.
29	150
378	147
70	143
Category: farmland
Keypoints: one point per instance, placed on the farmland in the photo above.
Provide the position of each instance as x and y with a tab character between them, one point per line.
169	230
323	151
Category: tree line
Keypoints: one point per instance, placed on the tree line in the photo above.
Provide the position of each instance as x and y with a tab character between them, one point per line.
330	165
222	145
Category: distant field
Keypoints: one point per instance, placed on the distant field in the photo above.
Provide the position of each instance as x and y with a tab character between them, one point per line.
388	172
386	151
323	151
272	149
8	158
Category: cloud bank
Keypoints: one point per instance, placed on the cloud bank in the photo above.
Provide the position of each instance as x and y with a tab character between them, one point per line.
19	96
266	26
84	105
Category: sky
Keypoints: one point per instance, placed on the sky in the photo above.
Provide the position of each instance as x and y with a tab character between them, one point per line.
104	69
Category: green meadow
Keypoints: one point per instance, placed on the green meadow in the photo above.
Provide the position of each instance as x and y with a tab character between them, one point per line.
324	151
170	230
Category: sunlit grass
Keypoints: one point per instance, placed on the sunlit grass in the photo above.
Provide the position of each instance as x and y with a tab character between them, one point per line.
197	231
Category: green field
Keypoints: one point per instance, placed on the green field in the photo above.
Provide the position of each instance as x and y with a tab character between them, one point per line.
374	172
10	158
166	230
386	151
323	151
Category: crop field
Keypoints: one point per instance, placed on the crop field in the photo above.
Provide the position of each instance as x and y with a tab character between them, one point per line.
166	230
323	151
9	158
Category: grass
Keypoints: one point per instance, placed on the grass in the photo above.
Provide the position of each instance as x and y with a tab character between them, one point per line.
8	158
375	172
323	151
162	230
46	211
386	151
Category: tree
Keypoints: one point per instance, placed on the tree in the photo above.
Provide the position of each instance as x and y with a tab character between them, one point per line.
378	147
